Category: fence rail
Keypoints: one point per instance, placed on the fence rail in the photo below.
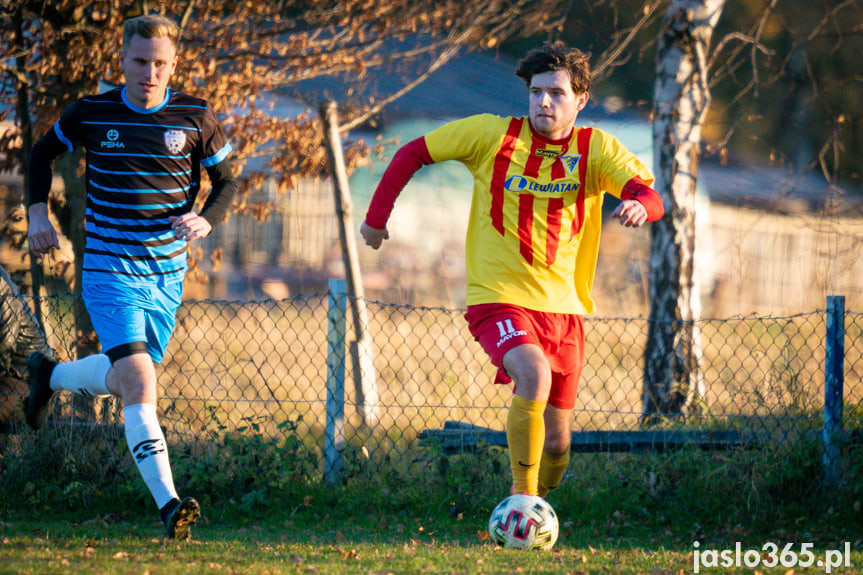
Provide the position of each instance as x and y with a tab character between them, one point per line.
243	367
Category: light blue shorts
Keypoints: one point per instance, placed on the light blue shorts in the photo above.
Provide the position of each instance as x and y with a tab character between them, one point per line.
132	319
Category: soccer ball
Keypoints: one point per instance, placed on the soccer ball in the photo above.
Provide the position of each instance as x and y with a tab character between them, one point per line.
524	522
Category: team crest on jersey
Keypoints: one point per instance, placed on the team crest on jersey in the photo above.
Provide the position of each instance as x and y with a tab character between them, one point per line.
175	140
570	161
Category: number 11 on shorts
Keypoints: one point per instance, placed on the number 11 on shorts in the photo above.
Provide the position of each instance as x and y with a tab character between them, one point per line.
505	327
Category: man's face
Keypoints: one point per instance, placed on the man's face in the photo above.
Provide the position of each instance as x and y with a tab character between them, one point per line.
553	105
148	64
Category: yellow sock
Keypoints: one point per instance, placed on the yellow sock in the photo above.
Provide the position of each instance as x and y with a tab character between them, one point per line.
551	470
525	435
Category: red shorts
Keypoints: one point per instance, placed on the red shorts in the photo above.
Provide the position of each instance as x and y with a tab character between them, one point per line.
500	327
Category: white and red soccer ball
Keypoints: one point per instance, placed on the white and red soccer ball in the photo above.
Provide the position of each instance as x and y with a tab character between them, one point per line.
524	522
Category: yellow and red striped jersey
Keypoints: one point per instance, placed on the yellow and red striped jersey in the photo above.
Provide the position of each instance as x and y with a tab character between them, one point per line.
535	220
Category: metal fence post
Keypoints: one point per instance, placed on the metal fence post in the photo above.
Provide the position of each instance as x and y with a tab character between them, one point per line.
834	380
336	338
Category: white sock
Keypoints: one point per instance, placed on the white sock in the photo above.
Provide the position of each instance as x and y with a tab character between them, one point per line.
86	376
149	450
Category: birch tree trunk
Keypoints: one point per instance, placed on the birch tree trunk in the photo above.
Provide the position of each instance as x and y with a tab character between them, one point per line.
673	381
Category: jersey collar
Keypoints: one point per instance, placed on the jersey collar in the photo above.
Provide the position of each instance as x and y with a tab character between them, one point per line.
548	141
141	110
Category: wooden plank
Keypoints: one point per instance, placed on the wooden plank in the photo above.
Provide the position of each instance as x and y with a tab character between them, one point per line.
67	425
456	436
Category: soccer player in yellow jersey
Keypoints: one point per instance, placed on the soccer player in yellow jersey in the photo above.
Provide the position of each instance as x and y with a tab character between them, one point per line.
532	243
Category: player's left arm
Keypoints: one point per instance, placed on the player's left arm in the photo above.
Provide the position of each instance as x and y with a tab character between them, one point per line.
621	173
639	204
191	226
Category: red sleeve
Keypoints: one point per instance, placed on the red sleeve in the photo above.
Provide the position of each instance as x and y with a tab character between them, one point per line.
636	189
405	163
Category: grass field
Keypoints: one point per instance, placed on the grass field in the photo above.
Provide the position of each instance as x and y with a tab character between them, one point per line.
619	513
315	541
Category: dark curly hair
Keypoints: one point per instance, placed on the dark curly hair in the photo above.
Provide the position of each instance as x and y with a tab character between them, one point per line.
551	57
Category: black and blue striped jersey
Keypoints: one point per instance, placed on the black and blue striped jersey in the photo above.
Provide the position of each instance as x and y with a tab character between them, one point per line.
143	166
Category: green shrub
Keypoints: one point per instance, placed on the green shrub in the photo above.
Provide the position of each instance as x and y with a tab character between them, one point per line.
249	473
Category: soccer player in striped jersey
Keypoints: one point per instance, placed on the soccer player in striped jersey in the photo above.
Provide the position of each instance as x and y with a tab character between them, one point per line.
145	148
532	243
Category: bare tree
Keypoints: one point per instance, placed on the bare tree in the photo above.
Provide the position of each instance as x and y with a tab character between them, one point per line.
241	56
673	379
751	74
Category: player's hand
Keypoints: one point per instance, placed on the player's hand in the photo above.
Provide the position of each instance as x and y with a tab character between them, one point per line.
41	235
373	236
630	213
190	226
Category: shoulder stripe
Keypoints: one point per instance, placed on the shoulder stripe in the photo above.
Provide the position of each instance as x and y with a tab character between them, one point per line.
217	157
62	136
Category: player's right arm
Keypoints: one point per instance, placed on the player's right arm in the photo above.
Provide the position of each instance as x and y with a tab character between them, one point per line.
41	235
466	141
405	163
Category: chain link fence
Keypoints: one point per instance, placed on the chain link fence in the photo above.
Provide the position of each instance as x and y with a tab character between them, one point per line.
266	366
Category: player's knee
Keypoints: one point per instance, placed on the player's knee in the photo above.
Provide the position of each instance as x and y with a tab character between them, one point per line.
533	382
529	368
557	443
533	388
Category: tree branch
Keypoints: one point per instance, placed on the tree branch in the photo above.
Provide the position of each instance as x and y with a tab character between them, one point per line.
611	55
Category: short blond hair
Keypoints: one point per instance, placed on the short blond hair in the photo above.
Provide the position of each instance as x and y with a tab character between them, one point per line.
151	26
